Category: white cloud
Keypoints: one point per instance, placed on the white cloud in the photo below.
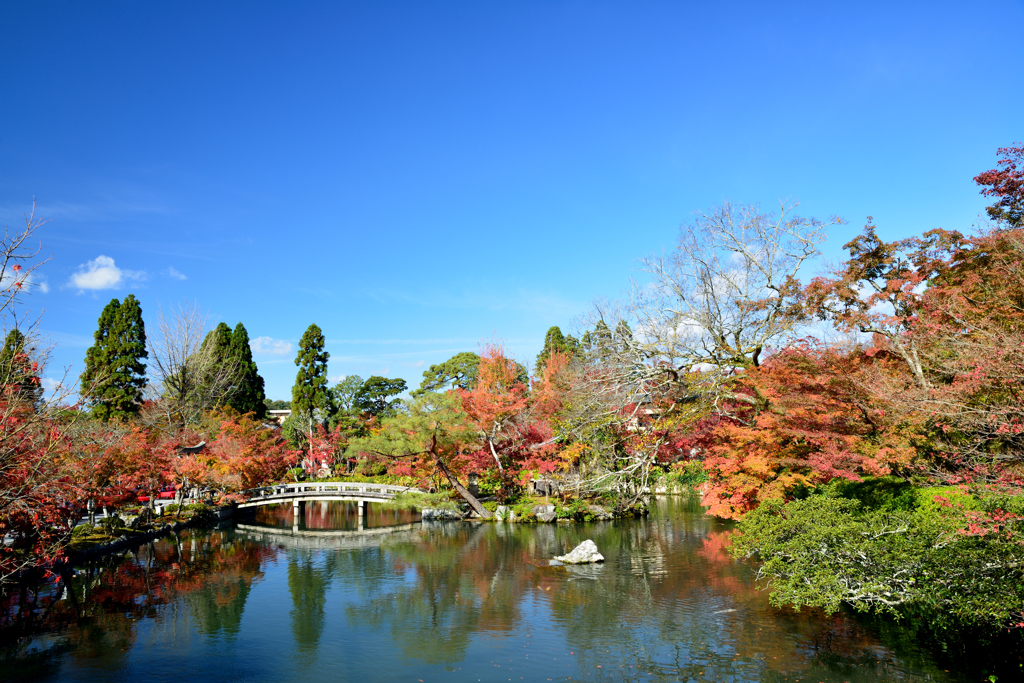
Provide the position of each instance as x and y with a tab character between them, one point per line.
417	364
268	346
28	281
102	273
175	273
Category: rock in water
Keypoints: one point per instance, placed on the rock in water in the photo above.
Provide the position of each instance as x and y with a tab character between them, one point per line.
584	553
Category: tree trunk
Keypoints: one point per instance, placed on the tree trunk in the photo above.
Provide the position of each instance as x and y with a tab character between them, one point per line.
463	491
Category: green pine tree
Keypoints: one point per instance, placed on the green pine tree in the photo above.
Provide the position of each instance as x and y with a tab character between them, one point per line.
554	341
218	345
311	397
115	375
18	374
249	396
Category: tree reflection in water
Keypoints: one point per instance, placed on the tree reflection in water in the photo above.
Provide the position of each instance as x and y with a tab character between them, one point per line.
669	603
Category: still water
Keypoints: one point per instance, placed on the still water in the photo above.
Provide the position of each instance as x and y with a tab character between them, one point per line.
285	599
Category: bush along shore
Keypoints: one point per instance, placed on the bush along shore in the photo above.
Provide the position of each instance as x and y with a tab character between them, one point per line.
134	527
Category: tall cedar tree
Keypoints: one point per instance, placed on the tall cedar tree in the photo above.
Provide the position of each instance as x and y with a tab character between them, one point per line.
218	343
19	376
555	341
310	394
114	373
249	396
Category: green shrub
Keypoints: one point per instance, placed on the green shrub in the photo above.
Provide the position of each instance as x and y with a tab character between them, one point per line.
687	474
954	567
577	510
411	499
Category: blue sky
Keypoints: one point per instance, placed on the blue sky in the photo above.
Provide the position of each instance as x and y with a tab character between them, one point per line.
418	177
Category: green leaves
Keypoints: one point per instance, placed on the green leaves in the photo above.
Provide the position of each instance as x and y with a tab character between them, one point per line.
18	374
555	341
310	394
374	397
949	562
115	375
249	393
458	372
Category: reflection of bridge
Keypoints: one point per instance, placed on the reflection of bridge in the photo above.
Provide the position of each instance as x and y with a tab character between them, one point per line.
297	494
344	540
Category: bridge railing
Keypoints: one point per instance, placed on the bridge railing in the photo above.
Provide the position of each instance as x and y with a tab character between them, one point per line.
338	487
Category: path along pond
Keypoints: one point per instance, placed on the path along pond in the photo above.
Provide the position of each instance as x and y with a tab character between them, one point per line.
453	601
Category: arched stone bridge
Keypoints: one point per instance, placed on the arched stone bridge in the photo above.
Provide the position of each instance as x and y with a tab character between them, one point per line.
298	493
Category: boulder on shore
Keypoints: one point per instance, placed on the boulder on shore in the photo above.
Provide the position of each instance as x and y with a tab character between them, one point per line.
584	553
439	513
544	513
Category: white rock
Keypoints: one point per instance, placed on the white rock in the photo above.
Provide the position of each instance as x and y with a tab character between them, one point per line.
584	553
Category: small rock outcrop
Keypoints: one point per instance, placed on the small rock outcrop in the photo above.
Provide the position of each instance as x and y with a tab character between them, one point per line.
584	553
439	513
599	512
544	513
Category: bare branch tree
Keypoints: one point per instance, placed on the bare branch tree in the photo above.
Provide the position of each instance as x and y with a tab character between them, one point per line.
190	373
38	505
727	291
713	307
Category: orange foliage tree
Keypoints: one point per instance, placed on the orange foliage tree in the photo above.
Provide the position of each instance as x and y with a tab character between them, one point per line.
814	421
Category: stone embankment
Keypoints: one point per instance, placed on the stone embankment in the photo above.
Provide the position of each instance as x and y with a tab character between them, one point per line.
137	539
579	513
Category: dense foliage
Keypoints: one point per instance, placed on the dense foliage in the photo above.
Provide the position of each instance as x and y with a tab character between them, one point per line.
882	471
114	375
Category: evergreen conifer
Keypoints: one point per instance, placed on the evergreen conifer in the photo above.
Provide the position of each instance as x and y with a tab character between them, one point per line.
311	398
18	374
249	396
115	375
554	341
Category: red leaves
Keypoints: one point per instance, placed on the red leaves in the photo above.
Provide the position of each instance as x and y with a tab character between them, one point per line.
1007	183
815	423
249	455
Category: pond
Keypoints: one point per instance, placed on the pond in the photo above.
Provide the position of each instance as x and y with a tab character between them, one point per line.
453	601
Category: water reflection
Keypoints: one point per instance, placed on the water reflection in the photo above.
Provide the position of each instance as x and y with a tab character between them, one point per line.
323	515
446	601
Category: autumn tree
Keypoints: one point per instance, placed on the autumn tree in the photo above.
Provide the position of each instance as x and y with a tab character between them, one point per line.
1006	184
432	436
878	289
950	308
511	435
39	497
114	376
249	455
816	420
